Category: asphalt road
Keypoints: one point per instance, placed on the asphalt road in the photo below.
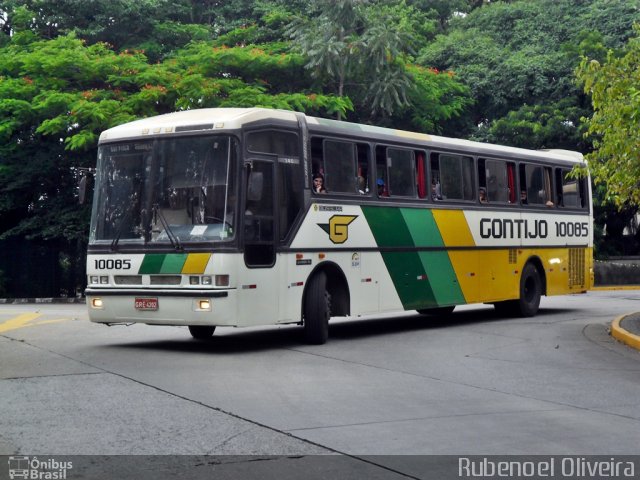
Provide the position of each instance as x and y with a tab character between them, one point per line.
469	384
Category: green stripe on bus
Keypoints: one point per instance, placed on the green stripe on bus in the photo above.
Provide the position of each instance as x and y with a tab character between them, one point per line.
442	278
388	226
173	263
152	263
421	279
422	227
408	276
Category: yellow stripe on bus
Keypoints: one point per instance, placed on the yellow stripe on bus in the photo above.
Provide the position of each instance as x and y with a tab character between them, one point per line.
196	263
453	228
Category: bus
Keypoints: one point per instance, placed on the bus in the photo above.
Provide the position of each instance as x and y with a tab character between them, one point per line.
244	217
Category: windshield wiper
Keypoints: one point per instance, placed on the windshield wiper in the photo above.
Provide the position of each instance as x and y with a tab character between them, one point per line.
123	222
175	241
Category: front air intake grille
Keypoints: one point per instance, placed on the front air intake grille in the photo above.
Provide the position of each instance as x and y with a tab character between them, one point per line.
128	279
165	279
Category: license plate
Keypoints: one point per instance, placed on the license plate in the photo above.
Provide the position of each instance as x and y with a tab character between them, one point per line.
146	303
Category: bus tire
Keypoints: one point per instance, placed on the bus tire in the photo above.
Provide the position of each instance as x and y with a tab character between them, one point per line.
317	310
530	291
436	310
201	332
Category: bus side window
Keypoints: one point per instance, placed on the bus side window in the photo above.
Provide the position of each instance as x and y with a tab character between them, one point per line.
569	191
339	166
436	187
382	180
421	174
496	178
362	179
456	177
273	141
401	168
535	185
344	166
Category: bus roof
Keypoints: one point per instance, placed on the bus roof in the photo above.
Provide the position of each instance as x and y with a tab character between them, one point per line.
192	120
234	118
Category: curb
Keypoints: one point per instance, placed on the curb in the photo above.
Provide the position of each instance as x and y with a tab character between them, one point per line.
623	335
21	301
614	287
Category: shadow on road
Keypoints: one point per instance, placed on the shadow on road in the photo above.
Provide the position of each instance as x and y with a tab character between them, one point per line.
232	341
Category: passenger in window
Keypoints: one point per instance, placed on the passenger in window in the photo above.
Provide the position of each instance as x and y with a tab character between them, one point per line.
483	195
362	185
523	197
436	192
318	184
382	189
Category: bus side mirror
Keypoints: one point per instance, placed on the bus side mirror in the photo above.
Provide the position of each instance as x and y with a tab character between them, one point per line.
83	185
82	190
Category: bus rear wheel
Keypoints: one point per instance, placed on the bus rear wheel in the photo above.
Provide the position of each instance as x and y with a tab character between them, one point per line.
530	292
201	332
317	310
436	310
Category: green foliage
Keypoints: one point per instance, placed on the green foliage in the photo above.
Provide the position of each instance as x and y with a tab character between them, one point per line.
56	96
522	54
435	98
614	87
556	125
495	71
360	47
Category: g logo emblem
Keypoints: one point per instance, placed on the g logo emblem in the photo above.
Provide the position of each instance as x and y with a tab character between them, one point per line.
338	227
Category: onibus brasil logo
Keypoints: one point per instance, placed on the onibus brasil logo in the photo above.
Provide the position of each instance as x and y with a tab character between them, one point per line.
33	468
338	227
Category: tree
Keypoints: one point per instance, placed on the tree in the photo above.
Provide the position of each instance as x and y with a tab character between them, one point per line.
57	95
522	55
347	43
614	87
554	125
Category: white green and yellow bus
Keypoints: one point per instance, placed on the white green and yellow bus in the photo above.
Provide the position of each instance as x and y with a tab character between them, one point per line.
209	218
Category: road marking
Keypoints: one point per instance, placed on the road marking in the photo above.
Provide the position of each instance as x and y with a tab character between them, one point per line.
18	322
54	320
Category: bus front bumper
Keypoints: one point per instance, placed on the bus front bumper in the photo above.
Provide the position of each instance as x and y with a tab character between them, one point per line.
162	307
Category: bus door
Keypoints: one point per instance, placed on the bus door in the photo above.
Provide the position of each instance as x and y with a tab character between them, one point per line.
259	279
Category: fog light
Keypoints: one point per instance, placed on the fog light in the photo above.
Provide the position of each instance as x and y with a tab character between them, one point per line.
204	305
222	280
104	280
97	303
194	280
206	280
94	279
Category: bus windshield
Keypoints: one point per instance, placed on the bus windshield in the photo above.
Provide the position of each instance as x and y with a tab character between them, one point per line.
175	191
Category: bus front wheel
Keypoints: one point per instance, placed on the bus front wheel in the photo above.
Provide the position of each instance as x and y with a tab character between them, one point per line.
201	332
317	310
